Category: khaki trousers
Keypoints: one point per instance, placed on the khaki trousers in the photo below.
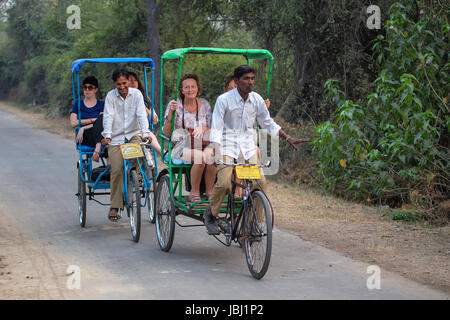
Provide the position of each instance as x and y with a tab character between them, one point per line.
116	181
223	185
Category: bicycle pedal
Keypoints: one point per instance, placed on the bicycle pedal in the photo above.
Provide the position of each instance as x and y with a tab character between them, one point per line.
223	225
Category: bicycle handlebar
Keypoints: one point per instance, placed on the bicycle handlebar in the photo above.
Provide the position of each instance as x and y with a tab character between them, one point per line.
245	164
146	143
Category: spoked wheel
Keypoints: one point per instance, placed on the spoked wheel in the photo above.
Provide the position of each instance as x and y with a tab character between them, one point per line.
258	234
151	197
134	205
81	199
165	214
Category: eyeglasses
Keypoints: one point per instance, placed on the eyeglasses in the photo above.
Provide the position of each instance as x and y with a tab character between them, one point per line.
186	88
88	88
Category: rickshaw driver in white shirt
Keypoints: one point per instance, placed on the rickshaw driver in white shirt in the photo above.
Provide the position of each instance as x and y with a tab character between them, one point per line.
124	121
232	132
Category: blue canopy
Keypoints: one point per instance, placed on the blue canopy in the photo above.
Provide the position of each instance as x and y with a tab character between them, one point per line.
77	64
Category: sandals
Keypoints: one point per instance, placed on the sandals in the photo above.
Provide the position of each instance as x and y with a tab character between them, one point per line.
114	217
194	198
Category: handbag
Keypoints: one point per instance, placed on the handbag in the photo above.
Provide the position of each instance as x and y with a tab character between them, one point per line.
181	139
193	141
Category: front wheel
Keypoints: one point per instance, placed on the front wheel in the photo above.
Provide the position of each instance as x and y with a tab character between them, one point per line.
134	203
81	195
165	214
258	234
151	197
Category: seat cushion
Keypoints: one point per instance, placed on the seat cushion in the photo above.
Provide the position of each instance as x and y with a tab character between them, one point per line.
85	148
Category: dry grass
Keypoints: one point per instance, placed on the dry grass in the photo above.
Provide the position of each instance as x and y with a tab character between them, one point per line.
418	252
39	120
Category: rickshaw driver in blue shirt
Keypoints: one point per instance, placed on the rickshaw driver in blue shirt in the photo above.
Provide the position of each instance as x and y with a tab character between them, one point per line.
124	118
232	132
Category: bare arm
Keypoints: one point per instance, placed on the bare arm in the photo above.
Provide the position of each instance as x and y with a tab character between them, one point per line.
292	141
154	116
84	122
108	116
173	106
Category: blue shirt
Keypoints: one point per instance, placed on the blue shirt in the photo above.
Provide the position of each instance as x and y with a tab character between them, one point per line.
87	113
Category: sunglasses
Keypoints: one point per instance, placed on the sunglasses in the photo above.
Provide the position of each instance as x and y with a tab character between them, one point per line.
88	88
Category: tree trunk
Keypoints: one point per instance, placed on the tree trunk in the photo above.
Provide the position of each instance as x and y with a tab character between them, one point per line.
301	61
153	15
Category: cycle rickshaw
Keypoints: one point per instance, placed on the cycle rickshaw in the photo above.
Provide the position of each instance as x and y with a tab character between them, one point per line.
248	222
92	180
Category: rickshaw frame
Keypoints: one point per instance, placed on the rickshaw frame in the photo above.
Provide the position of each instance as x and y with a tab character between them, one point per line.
242	210
85	152
179	53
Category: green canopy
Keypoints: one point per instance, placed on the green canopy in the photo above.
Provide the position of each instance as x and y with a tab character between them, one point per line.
247	53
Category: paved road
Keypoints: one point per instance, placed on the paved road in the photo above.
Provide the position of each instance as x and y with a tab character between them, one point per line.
38	172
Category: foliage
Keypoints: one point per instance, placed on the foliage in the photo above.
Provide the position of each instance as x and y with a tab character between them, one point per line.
405	215
39	48
395	147
312	41
387	141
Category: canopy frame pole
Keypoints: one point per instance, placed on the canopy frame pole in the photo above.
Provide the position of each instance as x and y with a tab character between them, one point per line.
269	78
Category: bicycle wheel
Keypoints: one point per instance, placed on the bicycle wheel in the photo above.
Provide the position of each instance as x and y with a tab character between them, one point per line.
258	234
165	215
151	197
81	199
134	203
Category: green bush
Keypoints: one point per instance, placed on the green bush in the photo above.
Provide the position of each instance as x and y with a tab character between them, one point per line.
397	143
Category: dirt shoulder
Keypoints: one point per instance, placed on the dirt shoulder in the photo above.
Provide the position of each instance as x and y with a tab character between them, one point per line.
29	269
364	233
416	251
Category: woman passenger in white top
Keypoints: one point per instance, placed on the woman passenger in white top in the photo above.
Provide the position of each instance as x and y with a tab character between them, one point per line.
194	115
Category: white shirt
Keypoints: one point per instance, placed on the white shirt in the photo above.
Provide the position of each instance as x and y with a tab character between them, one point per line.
233	122
124	118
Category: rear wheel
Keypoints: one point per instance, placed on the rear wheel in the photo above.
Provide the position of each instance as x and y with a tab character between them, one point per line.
165	214
134	203
258	234
81	198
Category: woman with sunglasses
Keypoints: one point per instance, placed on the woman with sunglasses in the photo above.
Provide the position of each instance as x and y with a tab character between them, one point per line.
91	111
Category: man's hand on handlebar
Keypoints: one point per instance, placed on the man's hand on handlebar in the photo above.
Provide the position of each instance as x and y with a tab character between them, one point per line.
105	141
147	139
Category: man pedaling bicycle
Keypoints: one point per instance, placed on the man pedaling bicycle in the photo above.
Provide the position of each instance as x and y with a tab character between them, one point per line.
124	121
232	131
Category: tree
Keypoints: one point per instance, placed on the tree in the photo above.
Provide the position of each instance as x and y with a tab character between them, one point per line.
153	17
312	41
